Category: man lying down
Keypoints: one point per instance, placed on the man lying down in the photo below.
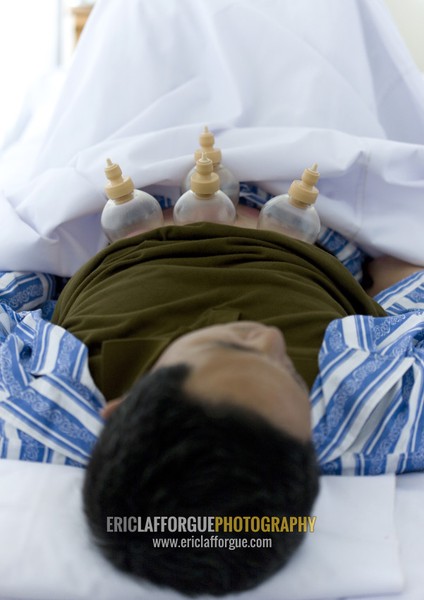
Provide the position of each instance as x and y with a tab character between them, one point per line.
204	339
237	364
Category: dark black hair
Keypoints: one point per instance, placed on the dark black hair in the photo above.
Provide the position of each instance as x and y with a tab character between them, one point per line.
164	452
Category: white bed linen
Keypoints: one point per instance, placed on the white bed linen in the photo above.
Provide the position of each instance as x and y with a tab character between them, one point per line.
409	519
283	84
45	552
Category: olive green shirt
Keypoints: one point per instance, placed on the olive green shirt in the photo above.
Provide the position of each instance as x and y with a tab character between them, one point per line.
138	294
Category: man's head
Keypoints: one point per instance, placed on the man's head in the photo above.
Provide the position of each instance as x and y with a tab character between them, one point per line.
219	427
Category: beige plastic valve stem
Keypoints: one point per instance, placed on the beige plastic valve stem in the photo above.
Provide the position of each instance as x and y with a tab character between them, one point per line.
204	182
207	141
302	191
120	189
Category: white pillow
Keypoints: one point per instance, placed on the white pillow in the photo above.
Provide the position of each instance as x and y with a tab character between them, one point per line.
45	550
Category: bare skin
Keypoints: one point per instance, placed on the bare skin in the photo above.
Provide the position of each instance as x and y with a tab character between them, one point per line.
244	363
246	217
388	270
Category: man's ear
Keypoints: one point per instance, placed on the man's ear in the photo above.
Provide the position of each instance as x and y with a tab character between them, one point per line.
111	406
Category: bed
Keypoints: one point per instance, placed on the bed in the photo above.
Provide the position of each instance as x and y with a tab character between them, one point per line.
282	85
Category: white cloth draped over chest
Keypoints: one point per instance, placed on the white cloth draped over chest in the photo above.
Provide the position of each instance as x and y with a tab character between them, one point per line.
282	85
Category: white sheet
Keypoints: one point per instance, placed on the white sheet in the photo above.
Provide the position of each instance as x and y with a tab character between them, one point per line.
282	84
45	551
409	519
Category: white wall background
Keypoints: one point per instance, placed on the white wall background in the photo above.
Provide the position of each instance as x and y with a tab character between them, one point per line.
409	16
36	41
28	51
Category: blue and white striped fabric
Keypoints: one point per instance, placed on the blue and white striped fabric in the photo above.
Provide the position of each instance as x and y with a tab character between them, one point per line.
368	400
49	404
